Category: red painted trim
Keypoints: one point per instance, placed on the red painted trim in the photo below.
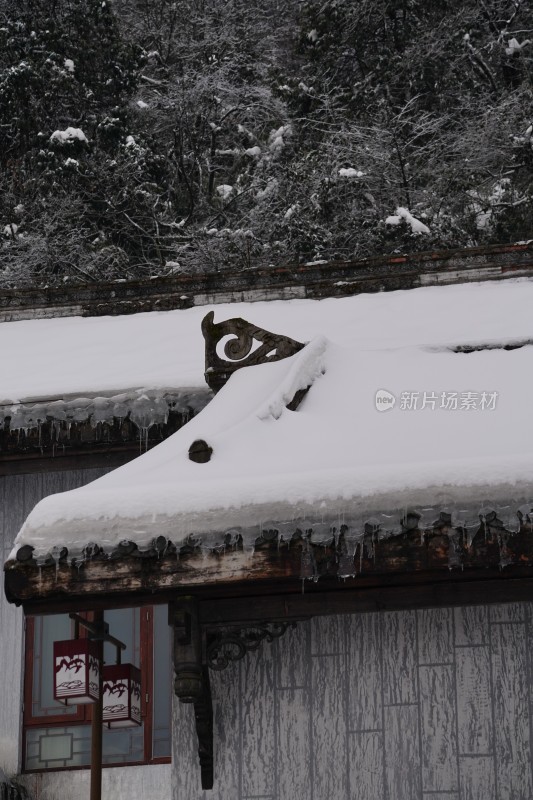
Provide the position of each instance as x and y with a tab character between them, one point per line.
83	713
147	676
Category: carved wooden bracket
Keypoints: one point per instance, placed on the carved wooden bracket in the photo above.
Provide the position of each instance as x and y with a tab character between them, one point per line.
191	683
232	644
239	349
198	649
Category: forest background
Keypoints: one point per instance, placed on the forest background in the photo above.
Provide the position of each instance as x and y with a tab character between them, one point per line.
149	137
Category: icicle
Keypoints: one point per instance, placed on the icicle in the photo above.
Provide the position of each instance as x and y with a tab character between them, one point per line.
56	553
307	562
346	566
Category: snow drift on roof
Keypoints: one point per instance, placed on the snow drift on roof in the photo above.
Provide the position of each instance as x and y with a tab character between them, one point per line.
458	432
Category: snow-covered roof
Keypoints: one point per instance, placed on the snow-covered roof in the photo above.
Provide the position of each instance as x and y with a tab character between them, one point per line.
458	436
73	356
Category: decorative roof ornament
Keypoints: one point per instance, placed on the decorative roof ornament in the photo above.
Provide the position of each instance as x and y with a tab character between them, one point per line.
246	346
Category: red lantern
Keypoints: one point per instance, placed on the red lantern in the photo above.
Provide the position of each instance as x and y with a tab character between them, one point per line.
76	672
122	696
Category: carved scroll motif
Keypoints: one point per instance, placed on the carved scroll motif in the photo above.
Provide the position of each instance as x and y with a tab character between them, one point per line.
233	644
239	350
196	650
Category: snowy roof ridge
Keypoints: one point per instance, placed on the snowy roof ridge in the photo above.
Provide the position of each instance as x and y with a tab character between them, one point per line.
455	433
158	350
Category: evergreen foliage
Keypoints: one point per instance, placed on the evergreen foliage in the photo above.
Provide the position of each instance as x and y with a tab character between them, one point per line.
142	137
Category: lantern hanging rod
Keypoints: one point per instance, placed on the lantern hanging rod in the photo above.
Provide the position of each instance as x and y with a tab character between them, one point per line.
99	632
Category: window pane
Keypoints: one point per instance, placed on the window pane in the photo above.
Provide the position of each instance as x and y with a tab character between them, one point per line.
56	747
162	691
123	746
124	624
53	748
68	744
48	629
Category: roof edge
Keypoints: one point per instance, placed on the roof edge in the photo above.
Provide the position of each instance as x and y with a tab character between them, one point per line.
293	281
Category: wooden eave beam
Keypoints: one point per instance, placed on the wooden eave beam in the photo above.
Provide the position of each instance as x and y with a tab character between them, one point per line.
414	558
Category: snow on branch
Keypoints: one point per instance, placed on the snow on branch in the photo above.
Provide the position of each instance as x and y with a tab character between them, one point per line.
68	135
405	214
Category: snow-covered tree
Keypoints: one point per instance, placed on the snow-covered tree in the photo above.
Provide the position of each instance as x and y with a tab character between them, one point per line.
152	136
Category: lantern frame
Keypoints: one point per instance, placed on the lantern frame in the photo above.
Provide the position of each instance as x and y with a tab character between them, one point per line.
72	657
117	679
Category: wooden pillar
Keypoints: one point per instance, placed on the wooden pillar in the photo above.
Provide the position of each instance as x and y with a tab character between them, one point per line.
191	682
96	727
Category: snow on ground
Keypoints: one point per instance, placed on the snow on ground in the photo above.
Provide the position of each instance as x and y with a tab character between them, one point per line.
457	435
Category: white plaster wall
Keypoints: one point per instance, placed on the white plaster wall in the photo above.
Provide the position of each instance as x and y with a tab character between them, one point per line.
15	497
18	495
118	783
10	702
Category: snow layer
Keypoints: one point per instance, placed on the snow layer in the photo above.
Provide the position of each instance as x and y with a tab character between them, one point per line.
75	356
337	457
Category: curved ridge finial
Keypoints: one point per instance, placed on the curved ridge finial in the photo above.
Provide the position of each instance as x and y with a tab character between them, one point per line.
249	345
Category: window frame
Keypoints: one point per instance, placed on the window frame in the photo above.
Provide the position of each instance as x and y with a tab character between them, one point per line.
83	713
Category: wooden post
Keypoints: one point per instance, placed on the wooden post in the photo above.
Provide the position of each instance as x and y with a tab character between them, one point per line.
97	728
191	682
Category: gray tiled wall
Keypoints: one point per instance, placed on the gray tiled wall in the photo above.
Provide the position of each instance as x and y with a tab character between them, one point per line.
414	705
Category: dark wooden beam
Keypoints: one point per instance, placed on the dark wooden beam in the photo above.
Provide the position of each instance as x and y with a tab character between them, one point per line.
242	605
399	567
457	590
28	463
